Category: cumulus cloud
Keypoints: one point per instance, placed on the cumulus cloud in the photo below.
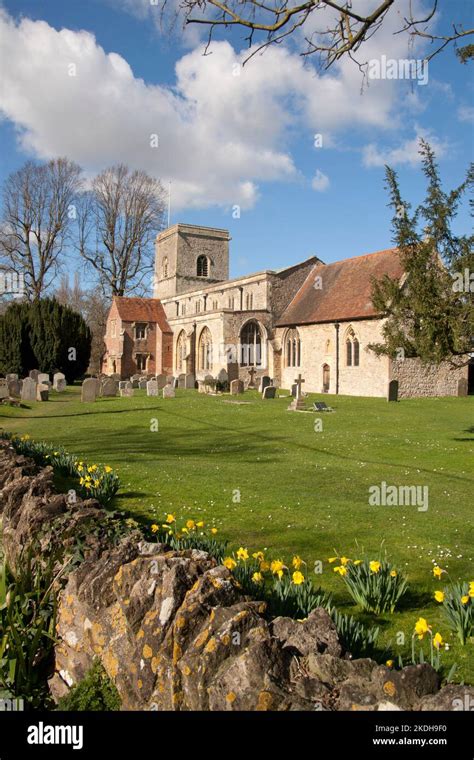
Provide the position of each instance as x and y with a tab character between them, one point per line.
320	181
466	113
222	128
406	153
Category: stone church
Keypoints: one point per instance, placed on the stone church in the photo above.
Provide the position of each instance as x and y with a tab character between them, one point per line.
311	318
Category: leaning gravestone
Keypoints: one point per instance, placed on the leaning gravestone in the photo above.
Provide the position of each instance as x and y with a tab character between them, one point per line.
189	381
33	374
28	390
392	393
161	380
59	380
109	387
42	392
14	388
463	386
265	382
168	391
269	392
90	389
152	388
236	387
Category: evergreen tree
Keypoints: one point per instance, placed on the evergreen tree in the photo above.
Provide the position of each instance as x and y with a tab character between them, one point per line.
431	313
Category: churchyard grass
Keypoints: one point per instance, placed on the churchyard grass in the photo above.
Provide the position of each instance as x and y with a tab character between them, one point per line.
271	479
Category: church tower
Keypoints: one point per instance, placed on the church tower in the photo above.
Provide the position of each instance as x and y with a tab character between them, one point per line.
188	257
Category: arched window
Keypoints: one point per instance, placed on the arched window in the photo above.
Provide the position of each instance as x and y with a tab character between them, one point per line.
165	267
205	350
352	349
355	352
202	266
293	348
326	378
181	352
349	352
251	345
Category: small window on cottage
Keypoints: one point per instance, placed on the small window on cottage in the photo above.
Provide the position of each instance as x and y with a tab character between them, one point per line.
140	330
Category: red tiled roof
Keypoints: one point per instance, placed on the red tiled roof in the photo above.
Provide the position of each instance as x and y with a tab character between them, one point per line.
345	291
142	310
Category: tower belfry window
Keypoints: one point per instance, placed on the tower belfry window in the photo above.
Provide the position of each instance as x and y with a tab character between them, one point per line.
202	266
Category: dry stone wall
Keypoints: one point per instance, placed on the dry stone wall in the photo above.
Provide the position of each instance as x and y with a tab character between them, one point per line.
418	379
173	629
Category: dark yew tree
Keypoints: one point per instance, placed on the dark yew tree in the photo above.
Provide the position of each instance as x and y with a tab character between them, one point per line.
431	313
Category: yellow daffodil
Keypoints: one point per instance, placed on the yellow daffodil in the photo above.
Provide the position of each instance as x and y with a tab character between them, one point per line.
465	599
345	560
154	528
332	559
258	555
264	566
213	531
167	527
471	588
357	562
296	562
229	563
438	640
190	524
341	570
80	468
439	596
374	566
96	483
184	530
421	627
81	481
389	663
277	567
242	553
200	524
297	578
257	578
170	519
437	572
107	468
393	573
87	485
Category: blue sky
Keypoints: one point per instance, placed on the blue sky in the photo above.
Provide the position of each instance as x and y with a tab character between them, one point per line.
227	140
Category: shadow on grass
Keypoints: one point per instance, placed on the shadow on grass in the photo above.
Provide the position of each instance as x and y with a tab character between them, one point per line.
414	600
469	430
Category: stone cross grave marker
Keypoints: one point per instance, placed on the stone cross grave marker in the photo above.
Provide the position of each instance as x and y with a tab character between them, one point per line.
299	382
252	373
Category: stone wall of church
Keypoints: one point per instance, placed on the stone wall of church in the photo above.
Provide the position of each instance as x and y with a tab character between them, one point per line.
318	348
286	284
417	379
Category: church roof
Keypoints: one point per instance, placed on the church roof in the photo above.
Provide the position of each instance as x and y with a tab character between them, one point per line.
142	310
343	291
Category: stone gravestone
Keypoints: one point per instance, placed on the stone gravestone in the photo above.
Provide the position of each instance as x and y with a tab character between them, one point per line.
169	380
298	403
269	392
28	390
463	386
109	387
223	377
127	389
59	380
265	382
90	389
294	388
142	384
33	374
181	381
189	381
252	373
3	388
14	388
161	381
392	393
236	387
42	391
168	391
43	377
152	388
115	376
11	376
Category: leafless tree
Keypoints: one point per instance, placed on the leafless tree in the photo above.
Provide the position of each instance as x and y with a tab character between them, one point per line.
338	30
118	221
38	209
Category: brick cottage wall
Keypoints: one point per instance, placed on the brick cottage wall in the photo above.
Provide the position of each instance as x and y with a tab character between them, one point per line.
417	379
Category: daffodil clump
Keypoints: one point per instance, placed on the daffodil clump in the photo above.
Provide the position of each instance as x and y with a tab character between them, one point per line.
286	589
457	601
192	534
374	584
423	629
94	481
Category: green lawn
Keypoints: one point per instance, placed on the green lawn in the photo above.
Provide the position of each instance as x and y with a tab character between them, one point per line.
301	491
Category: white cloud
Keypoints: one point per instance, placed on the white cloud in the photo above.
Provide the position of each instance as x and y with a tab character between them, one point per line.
320	181
223	129
466	113
406	153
